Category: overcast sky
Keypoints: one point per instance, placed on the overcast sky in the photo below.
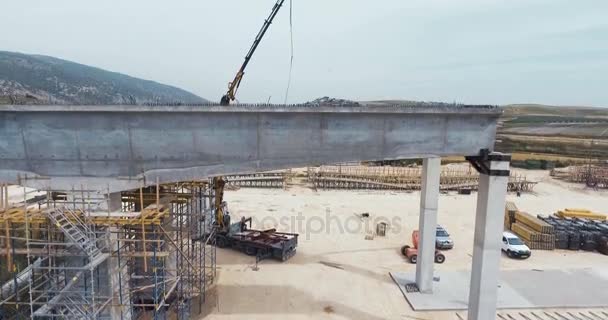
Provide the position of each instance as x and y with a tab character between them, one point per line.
473	51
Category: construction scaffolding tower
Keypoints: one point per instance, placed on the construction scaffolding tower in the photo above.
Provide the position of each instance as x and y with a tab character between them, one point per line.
83	254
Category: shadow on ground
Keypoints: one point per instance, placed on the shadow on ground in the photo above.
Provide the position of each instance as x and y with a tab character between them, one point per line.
278	300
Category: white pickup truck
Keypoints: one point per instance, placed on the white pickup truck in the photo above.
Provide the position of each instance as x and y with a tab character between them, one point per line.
514	247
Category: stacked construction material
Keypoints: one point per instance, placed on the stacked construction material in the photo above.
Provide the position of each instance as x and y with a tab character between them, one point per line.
562	239
579	233
580	213
602	245
536	233
510	209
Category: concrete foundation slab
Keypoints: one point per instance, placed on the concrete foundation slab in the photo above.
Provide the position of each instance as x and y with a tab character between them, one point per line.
570	288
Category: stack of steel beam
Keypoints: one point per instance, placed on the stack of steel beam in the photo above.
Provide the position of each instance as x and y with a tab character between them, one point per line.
580	213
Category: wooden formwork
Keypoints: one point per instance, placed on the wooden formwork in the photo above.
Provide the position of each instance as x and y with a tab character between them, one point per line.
594	176
401	178
272	179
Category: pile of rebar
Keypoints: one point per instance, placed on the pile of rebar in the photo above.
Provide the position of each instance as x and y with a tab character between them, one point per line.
401	178
594	176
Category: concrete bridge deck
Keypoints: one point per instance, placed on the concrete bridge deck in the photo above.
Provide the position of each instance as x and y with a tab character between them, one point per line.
118	146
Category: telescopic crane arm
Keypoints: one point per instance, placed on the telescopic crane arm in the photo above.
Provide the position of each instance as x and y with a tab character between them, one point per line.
221	218
234	85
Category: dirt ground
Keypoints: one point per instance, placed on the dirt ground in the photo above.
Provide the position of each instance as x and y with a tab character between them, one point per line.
338	274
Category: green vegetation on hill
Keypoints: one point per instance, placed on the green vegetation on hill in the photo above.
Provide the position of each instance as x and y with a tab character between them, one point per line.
556	111
569	131
34	78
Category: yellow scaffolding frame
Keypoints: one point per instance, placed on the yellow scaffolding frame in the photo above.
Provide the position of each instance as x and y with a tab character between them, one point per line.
152	215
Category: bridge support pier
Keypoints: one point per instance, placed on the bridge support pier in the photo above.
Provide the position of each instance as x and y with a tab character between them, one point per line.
429	198
114	201
494	176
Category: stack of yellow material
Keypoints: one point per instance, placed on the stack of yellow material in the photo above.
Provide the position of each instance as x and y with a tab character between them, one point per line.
580	213
510	209
536	233
533	222
529	234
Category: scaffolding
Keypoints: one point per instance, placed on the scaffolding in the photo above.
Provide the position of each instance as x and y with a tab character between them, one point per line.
73	254
401	178
268	179
593	176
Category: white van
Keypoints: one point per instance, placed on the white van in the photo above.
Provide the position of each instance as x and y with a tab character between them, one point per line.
514	247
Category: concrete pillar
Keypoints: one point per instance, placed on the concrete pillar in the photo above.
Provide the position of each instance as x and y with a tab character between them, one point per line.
429	198
488	234
1	196
115	202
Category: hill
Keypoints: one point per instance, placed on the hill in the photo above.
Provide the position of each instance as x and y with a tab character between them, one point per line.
541	120
567	131
534	129
555	111
42	79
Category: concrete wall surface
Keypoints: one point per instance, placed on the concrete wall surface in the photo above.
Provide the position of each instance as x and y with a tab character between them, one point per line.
121	147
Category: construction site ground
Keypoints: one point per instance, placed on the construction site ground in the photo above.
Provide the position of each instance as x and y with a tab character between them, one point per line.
338	274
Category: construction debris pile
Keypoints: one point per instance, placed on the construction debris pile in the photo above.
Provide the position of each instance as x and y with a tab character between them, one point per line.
594	176
401	178
572	229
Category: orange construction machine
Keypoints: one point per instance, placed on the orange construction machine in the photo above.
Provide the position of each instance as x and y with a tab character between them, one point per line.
412	252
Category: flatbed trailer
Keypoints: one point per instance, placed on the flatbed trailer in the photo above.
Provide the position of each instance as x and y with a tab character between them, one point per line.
261	243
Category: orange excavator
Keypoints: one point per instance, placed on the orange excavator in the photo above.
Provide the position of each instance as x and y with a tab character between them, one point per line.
412	252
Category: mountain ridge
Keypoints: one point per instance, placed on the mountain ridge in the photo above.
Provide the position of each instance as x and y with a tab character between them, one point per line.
34	78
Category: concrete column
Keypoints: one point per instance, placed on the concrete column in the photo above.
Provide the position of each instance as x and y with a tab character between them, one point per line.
429	198
488	234
1	195
115	202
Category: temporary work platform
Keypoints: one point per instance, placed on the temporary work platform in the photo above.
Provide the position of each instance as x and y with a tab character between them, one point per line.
81	254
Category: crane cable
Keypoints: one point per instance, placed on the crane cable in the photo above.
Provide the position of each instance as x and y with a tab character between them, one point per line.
291	40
